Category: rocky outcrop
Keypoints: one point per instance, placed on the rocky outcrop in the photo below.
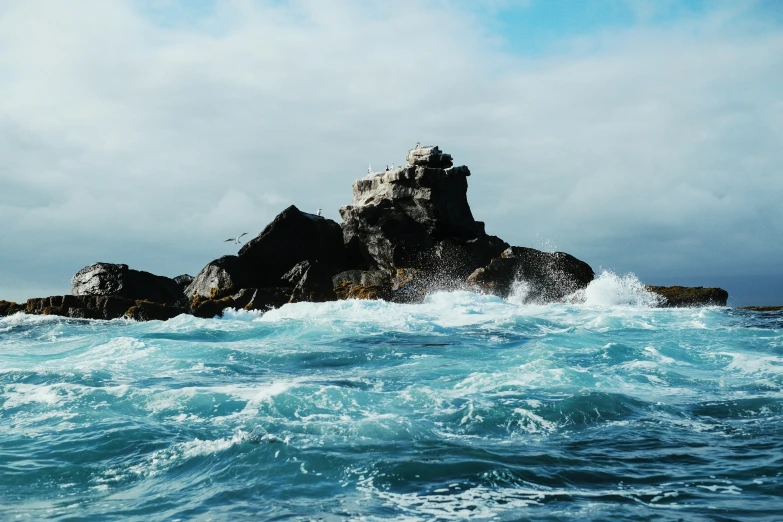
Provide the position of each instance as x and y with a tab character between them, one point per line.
10	308
246	299
359	284
102	307
183	281
753	308
417	217
312	282
684	296
219	278
292	237
408	232
429	157
149	311
106	279
543	276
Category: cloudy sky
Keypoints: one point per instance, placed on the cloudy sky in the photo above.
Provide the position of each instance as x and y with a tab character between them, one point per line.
642	136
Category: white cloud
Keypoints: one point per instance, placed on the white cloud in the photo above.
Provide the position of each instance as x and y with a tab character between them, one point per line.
654	149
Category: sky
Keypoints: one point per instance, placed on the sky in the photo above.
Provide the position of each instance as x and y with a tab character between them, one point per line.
641	136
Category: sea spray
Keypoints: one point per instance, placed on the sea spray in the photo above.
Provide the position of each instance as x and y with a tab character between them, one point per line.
609	289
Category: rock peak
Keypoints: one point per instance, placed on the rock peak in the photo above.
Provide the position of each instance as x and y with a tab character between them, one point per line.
412	215
430	156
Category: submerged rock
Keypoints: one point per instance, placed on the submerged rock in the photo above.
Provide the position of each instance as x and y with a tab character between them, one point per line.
545	276
683	296
104	279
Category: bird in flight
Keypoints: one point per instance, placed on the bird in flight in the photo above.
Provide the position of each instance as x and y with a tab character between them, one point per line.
235	239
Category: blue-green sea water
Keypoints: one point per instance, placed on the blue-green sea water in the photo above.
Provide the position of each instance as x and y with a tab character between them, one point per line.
465	406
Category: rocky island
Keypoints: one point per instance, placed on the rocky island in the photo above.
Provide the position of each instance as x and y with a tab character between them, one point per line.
409	231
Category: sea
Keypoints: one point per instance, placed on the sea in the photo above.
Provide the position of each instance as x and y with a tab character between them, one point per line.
466	406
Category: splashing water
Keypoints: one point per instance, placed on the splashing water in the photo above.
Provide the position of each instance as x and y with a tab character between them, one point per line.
610	289
465	406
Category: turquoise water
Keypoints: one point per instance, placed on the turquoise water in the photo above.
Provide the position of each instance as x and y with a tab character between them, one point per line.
466	406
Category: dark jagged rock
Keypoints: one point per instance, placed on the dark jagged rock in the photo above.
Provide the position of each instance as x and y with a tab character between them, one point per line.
312	281
269	297
102	307
219	278
292	237
417	217
247	298
10	308
750	308
183	281
149	311
497	278
358	284
209	308
458	258
379	236
118	280
242	298
547	276
683	296
412	285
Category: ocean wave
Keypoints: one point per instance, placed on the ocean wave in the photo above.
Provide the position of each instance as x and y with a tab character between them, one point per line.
465	405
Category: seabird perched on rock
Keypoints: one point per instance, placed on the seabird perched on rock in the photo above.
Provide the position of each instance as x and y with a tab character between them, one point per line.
418	146
392	166
318	213
387	168
369	169
235	239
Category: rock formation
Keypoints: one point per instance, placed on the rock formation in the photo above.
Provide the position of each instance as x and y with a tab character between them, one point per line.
358	284
119	280
682	296
417	217
408	232
547	276
292	237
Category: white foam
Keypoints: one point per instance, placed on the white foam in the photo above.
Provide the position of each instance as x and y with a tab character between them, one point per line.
610	289
163	459
232	314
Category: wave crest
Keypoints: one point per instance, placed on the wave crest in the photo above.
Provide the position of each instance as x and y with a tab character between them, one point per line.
610	289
